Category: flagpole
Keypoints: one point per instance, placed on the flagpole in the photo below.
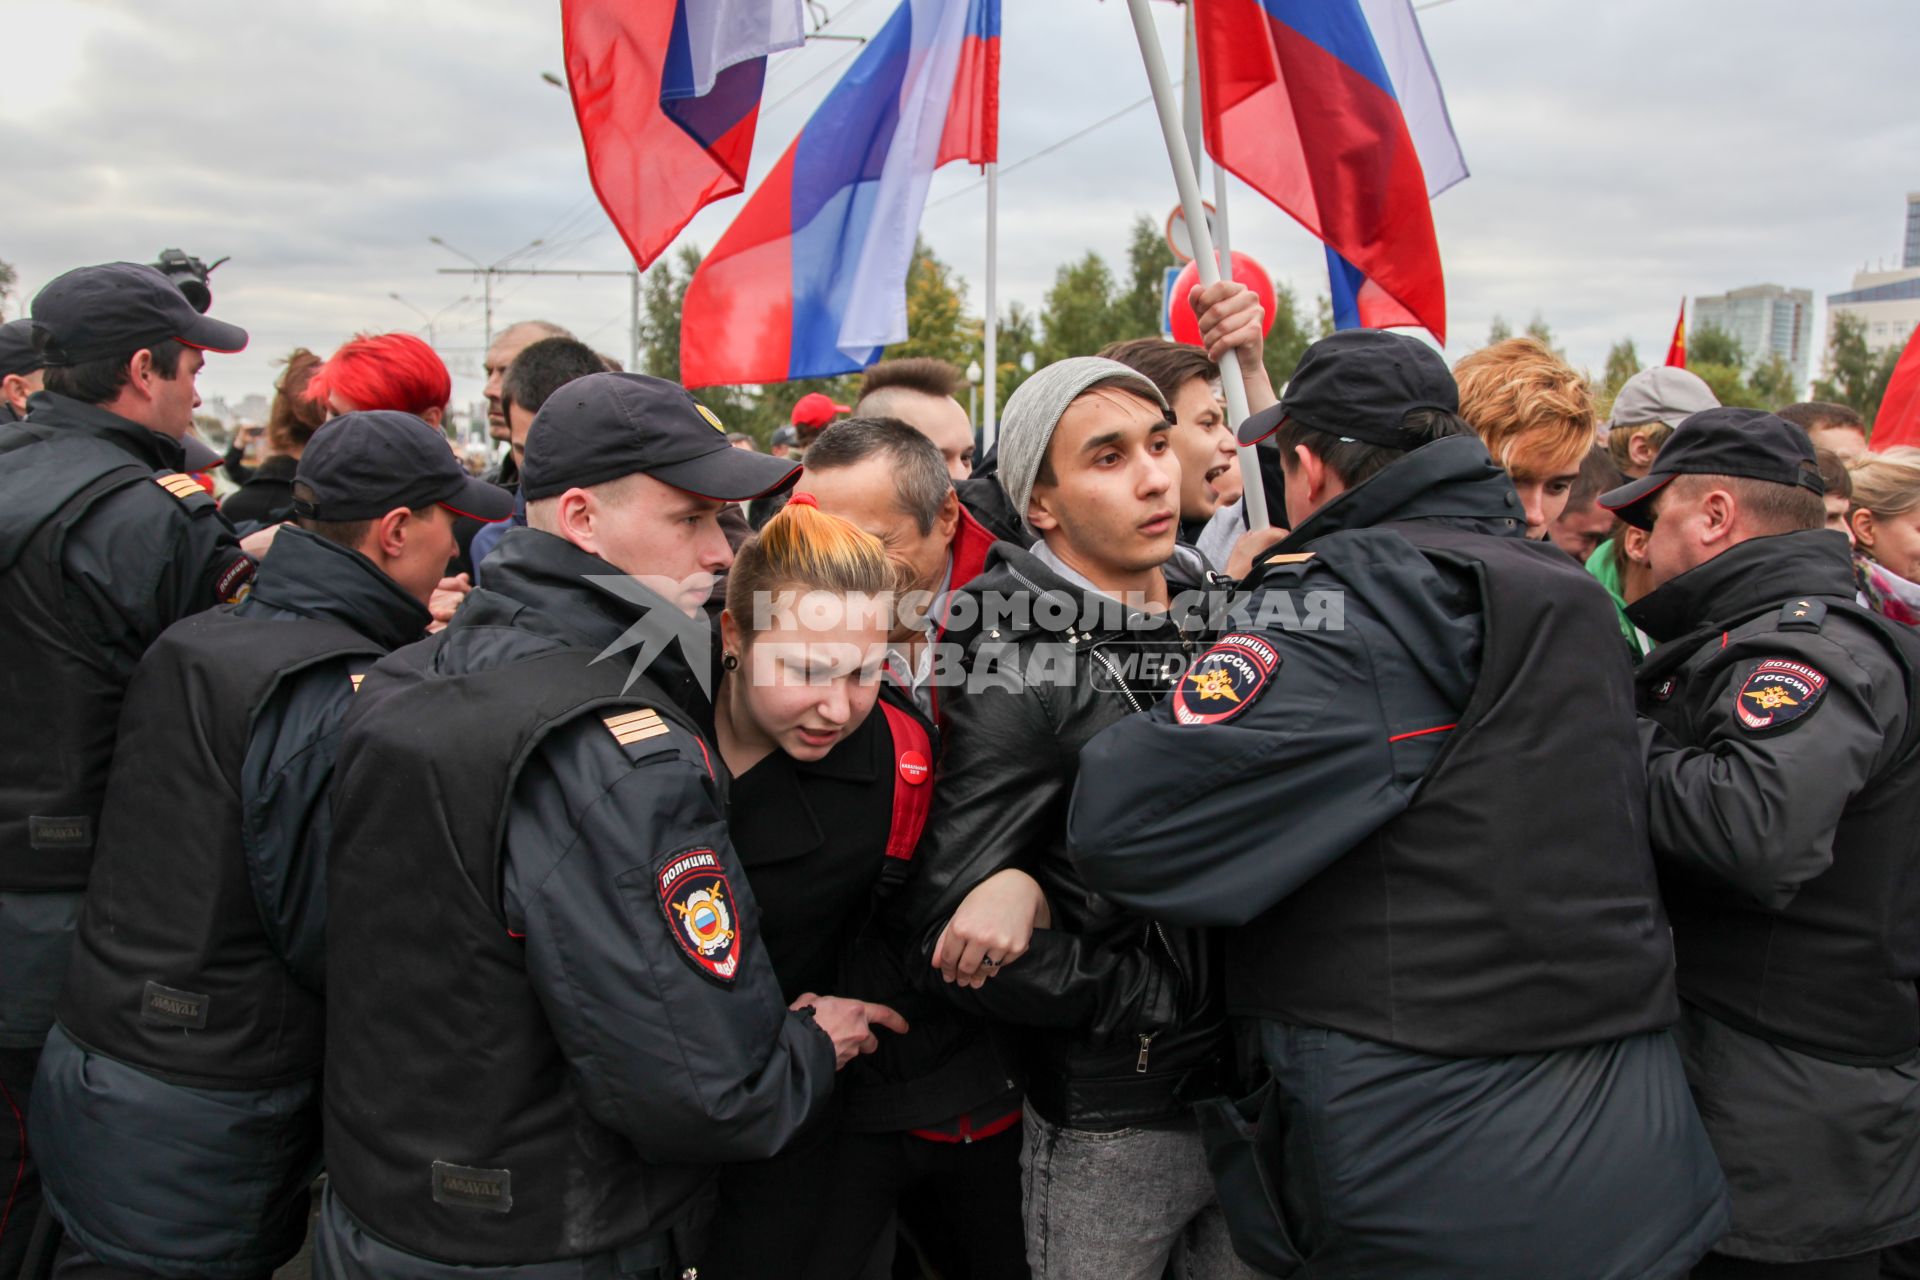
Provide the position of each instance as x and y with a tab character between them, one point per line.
1184	177
989	426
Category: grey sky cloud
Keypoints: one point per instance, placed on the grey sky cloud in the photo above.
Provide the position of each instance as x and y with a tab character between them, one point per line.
1624	154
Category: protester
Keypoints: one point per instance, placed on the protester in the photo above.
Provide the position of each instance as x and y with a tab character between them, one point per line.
266	493
1620	565
891	482
1119	1014
383	371
1647	408
104	544
1839	490
501	353
1456	994
217	926
542	881
741	440
1189	381
1584	526
922	392
1884	523
540	369
1784	792
1534	412
785	438
811	415
1830	426
20	369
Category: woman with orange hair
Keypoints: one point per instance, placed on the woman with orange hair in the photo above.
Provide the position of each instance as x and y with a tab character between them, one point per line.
829	776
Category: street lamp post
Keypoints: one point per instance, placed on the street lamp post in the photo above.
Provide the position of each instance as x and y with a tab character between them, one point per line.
429	321
485	271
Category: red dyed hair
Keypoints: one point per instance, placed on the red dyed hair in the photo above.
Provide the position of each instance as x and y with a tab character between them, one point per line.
384	371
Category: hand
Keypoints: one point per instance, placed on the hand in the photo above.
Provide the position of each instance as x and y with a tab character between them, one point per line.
446	599
848	1024
991	928
1231	320
256	543
1249	547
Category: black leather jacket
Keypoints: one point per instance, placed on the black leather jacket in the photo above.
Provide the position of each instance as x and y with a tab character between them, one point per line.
1123	1010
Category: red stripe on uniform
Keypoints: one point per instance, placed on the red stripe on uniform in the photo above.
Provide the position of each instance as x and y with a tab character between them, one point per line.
1421	733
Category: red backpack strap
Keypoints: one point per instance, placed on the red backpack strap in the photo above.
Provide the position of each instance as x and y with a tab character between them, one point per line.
912	789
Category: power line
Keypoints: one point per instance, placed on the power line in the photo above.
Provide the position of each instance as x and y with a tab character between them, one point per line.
1048	150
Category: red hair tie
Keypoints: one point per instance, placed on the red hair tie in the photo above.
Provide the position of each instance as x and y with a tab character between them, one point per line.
804	500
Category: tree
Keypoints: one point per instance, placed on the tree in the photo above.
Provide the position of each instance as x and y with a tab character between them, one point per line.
1772	382
1016	343
1538	330
8	279
1622	363
662	292
1499	330
1289	338
1710	344
937	323
1856	377
1079	317
1148	258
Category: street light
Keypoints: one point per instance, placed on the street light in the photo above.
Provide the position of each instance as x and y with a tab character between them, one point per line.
973	391
434	319
485	272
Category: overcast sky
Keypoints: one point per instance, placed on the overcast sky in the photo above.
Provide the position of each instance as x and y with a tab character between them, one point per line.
1624	153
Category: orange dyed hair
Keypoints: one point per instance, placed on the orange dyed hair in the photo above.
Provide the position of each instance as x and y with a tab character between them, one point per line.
803	548
1527	405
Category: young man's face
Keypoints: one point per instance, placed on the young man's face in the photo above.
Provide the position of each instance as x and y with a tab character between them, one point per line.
1580	531
1837	508
430	545
1544	485
1115	496
175	398
518	421
670	540
942	420
865	495
1204	447
1849	442
1674	544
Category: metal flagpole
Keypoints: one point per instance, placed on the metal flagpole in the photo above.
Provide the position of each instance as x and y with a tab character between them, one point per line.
989	422
1186	179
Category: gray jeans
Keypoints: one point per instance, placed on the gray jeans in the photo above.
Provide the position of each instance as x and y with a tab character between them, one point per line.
1118	1205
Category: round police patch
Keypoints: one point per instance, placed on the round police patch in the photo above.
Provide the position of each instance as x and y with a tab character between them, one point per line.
698	901
1777	693
1225	680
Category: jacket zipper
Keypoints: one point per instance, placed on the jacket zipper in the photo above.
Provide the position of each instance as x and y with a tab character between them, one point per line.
1146	1047
1119	681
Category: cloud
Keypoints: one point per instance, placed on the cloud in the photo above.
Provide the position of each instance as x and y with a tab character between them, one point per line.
1623	155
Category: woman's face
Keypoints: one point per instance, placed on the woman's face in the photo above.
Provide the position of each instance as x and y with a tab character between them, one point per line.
811	674
1892	540
1204	446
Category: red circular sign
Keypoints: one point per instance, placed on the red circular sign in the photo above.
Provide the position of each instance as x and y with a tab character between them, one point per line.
913	767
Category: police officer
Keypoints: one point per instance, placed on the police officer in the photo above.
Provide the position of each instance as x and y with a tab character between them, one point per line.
104	543
1406	782
1784	780
549	1015
20	368
206	910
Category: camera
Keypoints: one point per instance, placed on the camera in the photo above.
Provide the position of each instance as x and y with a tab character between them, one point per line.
189	275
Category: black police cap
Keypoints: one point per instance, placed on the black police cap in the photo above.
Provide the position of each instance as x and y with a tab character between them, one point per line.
1750	443
118	308
17	353
1361	384
359	466
609	425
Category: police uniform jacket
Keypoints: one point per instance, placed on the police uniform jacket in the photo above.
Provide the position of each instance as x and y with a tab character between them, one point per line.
550	1015
1407	782
1123	1009
193	995
104	543
1784	775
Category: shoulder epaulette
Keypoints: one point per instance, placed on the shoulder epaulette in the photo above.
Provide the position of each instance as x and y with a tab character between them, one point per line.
1297	557
630	727
180	485
1801	614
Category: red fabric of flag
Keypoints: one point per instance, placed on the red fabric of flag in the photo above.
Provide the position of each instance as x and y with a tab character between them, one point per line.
1677	349
1898	421
650	173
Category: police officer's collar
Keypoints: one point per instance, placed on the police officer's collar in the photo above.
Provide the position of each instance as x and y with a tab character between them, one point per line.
161	452
1747	576
305	574
1452	479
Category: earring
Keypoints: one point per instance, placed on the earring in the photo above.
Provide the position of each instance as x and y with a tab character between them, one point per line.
731	661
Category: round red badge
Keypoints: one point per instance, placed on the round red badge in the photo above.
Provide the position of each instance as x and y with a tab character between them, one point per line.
913	767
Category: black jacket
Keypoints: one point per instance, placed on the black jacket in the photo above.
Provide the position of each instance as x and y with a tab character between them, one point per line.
266	497
194	991
103	545
550	1015
1124	1010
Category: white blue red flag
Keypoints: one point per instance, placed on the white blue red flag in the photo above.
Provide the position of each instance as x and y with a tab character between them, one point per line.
1332	110
811	278
667	93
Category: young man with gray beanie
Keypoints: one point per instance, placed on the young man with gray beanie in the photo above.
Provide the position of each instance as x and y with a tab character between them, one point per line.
1060	640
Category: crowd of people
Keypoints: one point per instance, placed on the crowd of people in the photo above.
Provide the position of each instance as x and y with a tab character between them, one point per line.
881	856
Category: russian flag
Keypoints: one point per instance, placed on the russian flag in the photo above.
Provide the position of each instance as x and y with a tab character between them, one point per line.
1315	104
811	278
667	93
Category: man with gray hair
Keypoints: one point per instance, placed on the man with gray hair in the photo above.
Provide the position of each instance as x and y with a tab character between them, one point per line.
1062	639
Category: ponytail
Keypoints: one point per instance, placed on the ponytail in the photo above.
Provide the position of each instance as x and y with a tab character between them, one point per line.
804	549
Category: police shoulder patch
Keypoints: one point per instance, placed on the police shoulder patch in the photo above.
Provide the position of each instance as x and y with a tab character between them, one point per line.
697	898
181	486
1225	679
1777	693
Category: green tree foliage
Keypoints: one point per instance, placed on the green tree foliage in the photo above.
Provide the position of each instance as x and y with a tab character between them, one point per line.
1856	376
1499	330
1148	258
1538	329
8	280
1772	382
1018	340
1079	316
937	322
1710	344
1622	363
1290	336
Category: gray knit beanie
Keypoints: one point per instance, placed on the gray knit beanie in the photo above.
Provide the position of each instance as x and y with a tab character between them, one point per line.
1033	411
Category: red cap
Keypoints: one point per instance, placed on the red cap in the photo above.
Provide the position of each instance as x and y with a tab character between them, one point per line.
816	410
804	500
